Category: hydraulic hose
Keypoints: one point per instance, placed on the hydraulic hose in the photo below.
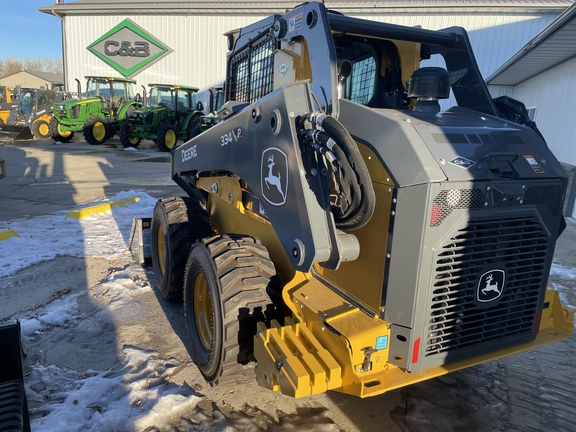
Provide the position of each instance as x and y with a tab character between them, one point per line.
356	183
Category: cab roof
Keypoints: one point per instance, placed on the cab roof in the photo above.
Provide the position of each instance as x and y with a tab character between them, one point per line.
175	86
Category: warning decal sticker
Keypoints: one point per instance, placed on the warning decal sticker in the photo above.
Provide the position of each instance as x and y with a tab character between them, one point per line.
534	164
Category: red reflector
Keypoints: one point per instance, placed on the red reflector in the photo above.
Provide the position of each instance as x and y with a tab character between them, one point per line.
537	322
435	214
416	351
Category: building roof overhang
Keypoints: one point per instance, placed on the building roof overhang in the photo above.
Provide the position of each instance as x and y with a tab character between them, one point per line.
553	46
107	7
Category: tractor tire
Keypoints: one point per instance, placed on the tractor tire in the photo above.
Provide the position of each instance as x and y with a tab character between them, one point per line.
111	128
127	138
226	293
95	130
40	129
176	225
167	137
58	135
194	127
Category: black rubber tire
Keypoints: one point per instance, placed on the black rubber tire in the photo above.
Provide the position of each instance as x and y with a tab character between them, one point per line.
194	127
55	133
177	223
13	407
92	125
111	128
164	144
124	135
40	129
233	276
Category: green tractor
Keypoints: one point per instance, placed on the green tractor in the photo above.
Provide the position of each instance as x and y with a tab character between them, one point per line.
171	114
107	103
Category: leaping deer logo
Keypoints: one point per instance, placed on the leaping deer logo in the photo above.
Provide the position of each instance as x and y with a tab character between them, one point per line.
274	176
274	180
491	286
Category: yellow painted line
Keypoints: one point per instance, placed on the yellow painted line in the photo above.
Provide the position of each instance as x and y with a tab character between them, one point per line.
100	208
8	233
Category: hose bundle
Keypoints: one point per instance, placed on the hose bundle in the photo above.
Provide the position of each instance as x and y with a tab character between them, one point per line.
357	199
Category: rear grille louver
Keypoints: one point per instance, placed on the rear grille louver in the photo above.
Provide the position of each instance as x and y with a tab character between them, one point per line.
519	246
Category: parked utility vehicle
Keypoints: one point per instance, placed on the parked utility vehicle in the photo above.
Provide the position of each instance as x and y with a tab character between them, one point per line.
342	230
171	114
100	114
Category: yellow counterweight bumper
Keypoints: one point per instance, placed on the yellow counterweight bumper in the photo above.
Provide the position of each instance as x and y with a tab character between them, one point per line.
332	345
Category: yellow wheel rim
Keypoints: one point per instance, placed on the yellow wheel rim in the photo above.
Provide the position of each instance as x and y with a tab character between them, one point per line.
131	138
161	250
170	138
43	129
99	131
63	133
203	311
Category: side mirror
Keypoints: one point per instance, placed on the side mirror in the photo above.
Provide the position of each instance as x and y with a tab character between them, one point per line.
199	106
137	98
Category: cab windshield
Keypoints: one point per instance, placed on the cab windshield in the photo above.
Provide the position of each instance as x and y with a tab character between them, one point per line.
162	96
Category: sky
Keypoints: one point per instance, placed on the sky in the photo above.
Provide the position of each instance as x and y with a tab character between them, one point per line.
29	33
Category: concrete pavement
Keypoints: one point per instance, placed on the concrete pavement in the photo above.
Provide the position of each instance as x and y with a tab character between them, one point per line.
44	177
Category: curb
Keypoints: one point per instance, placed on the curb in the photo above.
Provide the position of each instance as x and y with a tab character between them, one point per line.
8	233
100	208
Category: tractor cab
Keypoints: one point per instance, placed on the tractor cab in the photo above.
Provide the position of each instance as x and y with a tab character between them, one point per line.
113	92
180	99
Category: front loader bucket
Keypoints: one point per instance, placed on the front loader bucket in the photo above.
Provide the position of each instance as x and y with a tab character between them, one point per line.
16	132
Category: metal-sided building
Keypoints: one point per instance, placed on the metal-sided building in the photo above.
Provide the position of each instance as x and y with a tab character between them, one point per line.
543	75
182	42
32	79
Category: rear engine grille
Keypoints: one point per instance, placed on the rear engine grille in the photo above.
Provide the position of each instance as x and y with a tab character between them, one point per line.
519	246
448	200
551	196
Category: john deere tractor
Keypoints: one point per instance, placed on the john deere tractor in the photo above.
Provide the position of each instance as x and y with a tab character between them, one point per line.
363	217
108	102
171	114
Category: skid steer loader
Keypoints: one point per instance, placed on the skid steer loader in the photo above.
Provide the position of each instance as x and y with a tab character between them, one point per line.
28	114
361	218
